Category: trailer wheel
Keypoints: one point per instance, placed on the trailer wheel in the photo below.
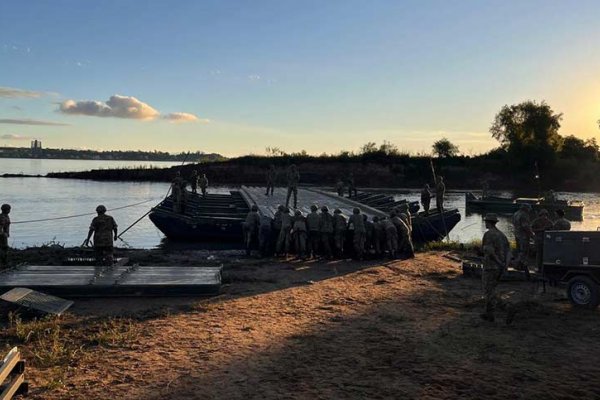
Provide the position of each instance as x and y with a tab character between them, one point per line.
583	292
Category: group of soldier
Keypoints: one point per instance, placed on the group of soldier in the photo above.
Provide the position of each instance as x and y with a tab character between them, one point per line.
180	193
497	254
322	234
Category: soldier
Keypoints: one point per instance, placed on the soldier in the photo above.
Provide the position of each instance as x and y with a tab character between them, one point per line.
4	235
391	236
314	235
440	190
251	225
203	183
406	243
496	250
264	236
177	189
351	186
378	236
402	234
277	225
271	176
104	229
426	199
369	234
339	232
550	197
561	224
485	188
405	216
284	239
523	234
339	187
293	177
194	181
299	234
326	231
358	223
540	225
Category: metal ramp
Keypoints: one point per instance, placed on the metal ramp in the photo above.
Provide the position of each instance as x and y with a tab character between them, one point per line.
91	281
28	298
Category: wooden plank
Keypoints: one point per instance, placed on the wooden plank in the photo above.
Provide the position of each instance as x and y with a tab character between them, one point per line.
12	388
9	363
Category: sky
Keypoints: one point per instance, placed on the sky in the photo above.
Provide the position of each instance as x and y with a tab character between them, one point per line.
236	77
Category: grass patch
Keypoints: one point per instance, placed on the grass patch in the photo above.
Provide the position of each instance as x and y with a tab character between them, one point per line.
472	246
116	332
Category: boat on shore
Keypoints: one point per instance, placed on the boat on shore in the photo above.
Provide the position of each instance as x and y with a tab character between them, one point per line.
573	208
220	216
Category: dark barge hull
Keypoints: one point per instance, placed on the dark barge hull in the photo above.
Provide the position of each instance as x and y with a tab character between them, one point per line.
509	206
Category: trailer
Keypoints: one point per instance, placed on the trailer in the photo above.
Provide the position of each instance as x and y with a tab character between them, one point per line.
573	258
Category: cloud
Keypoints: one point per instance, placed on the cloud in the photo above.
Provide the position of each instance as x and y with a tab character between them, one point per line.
12	136
19	93
31	122
183	117
117	107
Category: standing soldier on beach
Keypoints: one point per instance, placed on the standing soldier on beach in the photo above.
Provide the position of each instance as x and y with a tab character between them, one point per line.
264	236
314	236
293	178
4	235
406	243
251	225
440	190
277	225
369	234
339	232
194	181
496	250
283	241
351	185
203	183
326	230
339	187
299	234
358	223
104	229
561	224
378	236
391	236
539	226
426	199
271	176
402	233
523	234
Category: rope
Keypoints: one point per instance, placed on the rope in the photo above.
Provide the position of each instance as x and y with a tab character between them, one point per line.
78	215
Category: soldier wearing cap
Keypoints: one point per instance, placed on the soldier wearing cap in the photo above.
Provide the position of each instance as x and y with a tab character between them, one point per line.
293	178
104	229
426	199
314	235
523	234
271	176
251	225
539	226
4	235
339	232
326	231
299	233
561	224
496	251
357	223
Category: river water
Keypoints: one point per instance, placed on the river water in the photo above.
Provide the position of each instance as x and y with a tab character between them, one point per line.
43	198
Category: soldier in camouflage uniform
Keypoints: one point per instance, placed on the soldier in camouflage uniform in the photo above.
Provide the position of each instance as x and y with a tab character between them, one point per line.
4	235
284	239
496	251
406	244
271	177
561	224
251	225
264	236
351	186
523	234
339	232
314	235
104	229
339	187
357	223
426	199
391	236
194	182
326	231
402	230
440	190
203	183
178	190
299	234
378	236
369	234
293	178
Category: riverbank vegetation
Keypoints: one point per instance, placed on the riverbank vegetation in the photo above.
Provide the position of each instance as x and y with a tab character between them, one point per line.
532	155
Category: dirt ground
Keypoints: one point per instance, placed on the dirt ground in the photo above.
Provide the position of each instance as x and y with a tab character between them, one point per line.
308	330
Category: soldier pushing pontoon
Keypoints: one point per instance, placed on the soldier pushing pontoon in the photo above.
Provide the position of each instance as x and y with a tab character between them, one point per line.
104	229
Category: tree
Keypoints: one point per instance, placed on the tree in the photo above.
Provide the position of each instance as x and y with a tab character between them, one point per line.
370	147
444	148
573	147
528	131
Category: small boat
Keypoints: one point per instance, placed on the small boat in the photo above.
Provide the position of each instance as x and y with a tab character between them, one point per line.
573	208
206	218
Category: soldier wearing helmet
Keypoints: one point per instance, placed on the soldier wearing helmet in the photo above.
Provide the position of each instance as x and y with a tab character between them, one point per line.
299	233
326	230
251	228
339	232
104	229
314	236
357	224
293	178
4	235
496	251
523	233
